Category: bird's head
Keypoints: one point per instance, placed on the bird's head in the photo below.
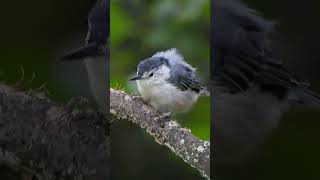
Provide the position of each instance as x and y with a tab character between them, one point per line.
153	71
163	67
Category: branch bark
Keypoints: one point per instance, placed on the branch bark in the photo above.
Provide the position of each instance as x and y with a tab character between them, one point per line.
179	140
50	141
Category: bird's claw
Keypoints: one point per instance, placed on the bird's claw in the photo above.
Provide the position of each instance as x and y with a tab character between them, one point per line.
163	118
166	115
137	98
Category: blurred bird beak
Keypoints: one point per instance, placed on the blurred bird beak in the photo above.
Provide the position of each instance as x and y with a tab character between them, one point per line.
83	52
137	77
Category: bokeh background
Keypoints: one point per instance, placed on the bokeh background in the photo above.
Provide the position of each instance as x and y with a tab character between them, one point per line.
138	30
292	150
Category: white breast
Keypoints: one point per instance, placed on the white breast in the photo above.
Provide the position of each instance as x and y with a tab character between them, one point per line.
98	77
166	97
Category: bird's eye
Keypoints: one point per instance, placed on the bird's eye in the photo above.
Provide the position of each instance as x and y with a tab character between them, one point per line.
151	74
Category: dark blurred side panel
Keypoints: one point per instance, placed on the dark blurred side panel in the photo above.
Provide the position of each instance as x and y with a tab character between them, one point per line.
34	36
290	149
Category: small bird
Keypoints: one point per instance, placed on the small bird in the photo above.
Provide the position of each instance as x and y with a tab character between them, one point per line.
251	86
168	83
94	52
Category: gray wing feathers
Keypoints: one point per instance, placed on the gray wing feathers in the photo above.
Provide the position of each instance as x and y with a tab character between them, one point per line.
184	78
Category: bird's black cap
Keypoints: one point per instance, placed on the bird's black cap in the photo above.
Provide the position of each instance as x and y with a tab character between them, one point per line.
98	33
151	63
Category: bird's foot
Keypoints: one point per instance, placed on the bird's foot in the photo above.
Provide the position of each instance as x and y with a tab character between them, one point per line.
165	117
139	98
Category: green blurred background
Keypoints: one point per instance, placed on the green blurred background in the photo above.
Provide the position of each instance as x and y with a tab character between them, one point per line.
138	30
141	28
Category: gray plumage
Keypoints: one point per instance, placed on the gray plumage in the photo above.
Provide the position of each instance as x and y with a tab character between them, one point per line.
181	75
168	83
149	64
184	78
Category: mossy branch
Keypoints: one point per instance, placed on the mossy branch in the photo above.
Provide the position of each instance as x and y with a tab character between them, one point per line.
165	131
51	141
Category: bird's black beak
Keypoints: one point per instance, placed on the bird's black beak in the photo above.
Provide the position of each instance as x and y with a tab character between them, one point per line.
83	52
137	77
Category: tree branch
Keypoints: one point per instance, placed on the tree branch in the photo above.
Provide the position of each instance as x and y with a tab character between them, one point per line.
50	141
179	140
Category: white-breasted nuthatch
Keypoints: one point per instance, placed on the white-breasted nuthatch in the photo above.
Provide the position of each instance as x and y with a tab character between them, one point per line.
167	82
251	87
94	53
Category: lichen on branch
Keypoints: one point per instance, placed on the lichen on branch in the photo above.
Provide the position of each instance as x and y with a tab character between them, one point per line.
165	131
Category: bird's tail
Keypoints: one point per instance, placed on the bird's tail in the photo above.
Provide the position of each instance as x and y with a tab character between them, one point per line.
304	95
